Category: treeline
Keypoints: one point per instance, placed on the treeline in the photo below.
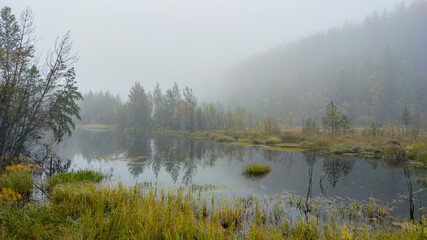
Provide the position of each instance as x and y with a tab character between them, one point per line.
371	71
175	108
179	109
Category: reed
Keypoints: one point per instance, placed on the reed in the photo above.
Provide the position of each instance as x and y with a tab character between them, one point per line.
76	176
256	169
87	210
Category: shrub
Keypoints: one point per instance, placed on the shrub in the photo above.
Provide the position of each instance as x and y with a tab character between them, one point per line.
20	181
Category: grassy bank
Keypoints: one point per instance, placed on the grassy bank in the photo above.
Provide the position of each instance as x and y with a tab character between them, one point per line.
78	208
355	144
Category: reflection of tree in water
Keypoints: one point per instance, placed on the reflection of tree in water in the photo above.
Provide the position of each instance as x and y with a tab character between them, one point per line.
213	153
310	159
174	154
100	144
190	165
335	167
270	155
287	158
139	145
164	150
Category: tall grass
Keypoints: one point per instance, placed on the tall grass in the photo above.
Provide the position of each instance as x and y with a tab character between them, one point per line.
256	169
78	208
77	176
88	211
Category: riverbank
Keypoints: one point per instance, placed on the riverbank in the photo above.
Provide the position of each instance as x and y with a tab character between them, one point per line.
78	207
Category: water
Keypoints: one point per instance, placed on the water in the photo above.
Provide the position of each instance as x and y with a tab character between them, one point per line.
174	161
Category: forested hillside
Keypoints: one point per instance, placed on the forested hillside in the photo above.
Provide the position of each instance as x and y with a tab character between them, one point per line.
372	70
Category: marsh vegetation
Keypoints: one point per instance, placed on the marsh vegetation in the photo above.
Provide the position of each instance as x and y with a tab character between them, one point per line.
327	140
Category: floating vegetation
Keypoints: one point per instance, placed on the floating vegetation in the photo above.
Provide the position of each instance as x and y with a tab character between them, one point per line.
243	143
133	158
256	170
274	148
289	145
222	138
99	127
128	158
202	188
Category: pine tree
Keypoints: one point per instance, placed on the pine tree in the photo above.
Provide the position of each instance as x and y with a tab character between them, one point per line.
346	124
331	120
406	118
310	127
139	107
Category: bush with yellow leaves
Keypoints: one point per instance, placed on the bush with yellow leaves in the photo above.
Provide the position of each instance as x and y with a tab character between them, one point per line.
9	195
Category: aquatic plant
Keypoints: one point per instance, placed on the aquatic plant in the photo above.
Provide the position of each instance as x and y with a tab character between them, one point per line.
256	169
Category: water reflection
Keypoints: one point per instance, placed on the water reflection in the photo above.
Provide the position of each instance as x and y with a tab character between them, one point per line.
335	168
179	160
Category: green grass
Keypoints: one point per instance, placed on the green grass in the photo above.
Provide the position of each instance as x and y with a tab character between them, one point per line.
256	169
74	177
81	209
85	210
417	152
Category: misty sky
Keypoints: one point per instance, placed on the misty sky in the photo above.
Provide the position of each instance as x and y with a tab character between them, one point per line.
187	41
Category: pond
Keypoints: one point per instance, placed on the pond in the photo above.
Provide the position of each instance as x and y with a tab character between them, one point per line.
171	161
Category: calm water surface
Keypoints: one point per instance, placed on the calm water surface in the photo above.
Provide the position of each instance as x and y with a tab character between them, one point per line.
175	161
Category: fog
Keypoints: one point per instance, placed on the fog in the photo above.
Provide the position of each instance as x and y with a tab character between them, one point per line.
191	42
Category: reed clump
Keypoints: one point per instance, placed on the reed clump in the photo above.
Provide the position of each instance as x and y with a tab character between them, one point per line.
76	176
256	169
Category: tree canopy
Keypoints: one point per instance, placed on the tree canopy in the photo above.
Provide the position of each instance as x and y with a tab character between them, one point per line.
35	99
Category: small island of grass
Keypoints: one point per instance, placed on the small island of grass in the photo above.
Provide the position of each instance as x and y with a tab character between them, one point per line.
256	169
